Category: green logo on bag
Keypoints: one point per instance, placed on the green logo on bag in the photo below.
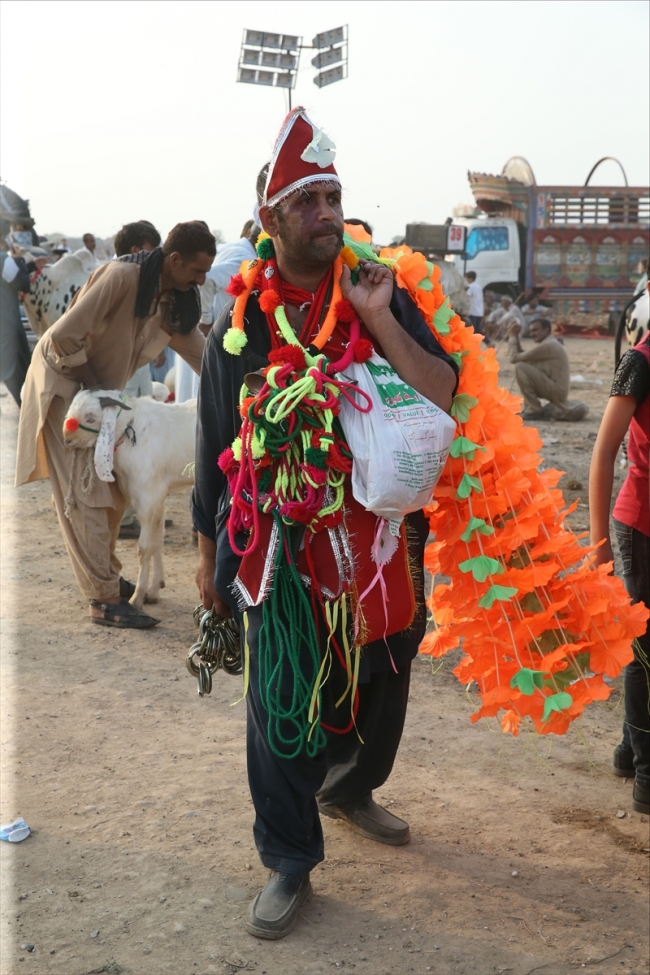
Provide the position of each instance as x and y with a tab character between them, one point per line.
394	393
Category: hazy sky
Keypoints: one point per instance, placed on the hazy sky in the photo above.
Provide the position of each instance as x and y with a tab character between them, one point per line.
120	110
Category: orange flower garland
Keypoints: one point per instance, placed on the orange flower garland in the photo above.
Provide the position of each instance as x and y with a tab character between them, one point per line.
540	624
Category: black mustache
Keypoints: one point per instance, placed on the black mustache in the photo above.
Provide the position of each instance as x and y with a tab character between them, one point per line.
332	229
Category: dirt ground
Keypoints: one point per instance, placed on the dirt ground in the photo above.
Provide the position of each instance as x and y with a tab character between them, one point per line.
525	856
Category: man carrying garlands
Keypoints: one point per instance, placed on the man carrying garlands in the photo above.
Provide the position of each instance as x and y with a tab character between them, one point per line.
328	635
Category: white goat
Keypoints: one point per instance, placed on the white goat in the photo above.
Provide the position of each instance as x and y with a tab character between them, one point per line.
149	446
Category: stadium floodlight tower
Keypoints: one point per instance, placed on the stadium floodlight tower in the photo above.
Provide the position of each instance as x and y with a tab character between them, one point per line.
272	59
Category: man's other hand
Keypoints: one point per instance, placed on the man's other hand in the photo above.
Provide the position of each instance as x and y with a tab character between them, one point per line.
204	577
208	595
514	328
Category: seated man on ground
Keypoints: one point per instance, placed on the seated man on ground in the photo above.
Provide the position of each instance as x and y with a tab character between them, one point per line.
499	320
543	373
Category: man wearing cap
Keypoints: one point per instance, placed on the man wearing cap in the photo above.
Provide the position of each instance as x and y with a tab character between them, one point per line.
287	311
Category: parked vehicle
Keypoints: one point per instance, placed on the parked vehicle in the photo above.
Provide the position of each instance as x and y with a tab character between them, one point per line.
577	248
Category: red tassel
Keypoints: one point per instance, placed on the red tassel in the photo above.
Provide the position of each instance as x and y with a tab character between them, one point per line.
236	286
362	350
226	459
269	301
288	353
344	311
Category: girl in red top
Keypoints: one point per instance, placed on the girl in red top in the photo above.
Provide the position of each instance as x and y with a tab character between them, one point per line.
628	406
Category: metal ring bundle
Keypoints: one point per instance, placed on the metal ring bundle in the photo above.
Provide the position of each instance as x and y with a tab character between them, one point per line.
218	647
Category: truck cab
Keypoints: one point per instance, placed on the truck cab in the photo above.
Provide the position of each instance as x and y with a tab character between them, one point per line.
492	251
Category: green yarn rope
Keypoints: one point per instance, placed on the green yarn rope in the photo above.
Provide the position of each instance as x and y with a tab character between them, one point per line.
289	661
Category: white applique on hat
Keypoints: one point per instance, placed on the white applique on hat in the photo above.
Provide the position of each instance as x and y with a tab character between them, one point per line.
321	150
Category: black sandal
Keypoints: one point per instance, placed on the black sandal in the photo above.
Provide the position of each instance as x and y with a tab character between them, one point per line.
126	588
122	615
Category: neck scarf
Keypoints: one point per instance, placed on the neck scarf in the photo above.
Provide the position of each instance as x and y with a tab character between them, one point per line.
318	303
184	306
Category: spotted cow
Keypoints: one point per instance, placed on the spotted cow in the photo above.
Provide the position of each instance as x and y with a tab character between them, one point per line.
52	290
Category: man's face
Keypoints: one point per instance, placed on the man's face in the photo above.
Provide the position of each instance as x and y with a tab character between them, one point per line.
183	275
533	303
538	332
307	228
89	242
506	302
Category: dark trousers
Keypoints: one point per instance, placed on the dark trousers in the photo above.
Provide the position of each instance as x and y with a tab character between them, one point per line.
15	355
477	322
287	828
635	555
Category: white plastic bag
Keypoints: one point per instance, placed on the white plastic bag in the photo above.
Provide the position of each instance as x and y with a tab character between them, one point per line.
399	447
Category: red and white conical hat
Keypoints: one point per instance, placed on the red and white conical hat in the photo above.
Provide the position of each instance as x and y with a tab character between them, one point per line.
302	154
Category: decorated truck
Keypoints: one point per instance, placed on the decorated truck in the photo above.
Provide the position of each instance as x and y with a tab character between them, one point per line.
579	248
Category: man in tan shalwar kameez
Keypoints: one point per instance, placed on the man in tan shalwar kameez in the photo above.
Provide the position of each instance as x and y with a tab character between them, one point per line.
100	341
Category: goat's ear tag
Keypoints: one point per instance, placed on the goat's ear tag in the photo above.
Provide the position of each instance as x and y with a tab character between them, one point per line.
105	401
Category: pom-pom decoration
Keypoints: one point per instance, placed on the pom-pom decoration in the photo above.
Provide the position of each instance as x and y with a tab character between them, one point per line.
264	247
71	424
349	258
540	625
345	311
293	354
234	341
269	301
236	285
362	350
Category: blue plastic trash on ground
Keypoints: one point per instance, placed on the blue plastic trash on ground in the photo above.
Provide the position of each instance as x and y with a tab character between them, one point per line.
15	832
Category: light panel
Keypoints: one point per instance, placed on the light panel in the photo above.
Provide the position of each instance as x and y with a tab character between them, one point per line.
329	57
269	59
329	77
330	37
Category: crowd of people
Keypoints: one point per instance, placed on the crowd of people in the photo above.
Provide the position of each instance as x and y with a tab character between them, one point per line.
183	296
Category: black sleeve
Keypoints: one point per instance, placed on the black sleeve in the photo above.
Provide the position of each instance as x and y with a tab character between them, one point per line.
218	419
409	317
632	376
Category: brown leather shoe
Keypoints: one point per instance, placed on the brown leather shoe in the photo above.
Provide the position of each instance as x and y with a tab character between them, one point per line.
371	820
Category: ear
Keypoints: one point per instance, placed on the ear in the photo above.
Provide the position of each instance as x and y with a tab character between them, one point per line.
105	444
269	221
105	401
